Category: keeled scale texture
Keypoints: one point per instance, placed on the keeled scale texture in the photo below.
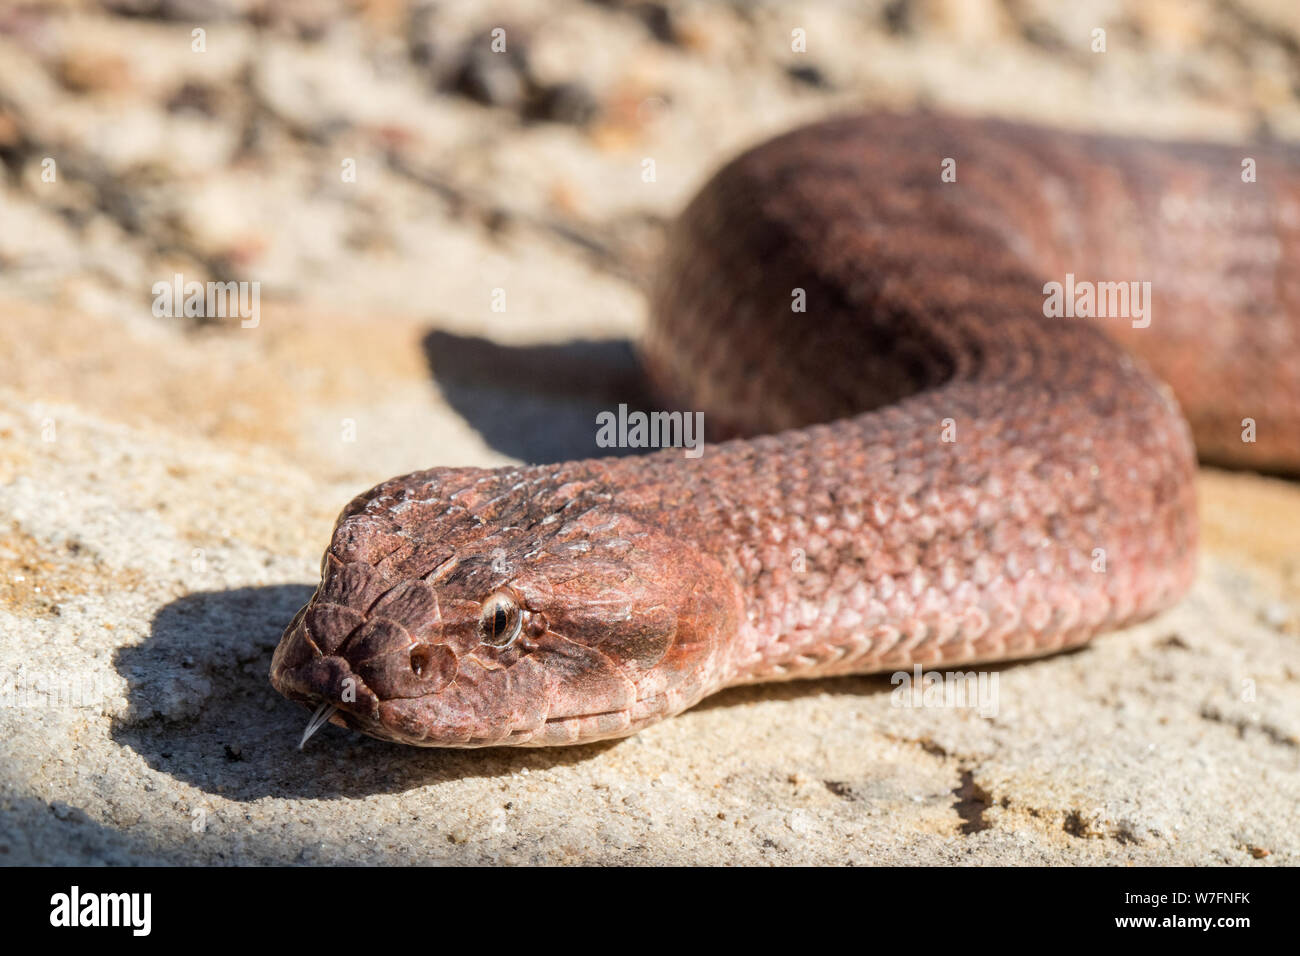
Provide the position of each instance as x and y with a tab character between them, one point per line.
992	483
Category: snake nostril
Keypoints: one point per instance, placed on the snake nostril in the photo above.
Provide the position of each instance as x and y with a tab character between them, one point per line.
410	671
422	659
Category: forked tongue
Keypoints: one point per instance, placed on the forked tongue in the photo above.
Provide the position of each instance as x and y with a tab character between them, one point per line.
318	720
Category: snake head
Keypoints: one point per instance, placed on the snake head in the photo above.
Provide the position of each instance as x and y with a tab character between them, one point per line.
462	608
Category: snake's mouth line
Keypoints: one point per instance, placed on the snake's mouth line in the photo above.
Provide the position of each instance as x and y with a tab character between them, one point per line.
326	711
598	713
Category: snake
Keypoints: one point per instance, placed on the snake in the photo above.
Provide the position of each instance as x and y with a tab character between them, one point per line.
916	456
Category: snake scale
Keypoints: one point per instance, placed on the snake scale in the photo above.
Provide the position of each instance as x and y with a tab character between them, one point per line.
922	466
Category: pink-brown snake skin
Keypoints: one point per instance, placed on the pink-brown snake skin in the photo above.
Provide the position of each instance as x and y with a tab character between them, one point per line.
944	475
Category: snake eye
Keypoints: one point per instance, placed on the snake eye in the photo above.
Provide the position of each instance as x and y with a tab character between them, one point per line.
500	620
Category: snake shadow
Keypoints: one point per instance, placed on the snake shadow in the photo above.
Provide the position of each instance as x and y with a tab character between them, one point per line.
201	707
202	710
538	403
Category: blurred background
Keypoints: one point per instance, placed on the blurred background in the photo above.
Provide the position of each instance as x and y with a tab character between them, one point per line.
381	169
451	244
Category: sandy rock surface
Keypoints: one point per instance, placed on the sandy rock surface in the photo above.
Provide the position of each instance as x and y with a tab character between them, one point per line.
167	484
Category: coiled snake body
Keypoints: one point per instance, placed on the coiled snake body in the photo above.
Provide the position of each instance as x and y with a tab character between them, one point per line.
945	474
